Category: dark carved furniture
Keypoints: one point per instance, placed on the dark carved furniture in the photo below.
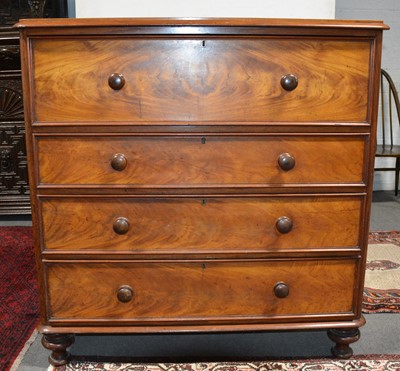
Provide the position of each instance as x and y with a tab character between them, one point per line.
200	175
390	116
14	188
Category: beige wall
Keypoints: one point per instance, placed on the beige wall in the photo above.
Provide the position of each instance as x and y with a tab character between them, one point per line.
206	8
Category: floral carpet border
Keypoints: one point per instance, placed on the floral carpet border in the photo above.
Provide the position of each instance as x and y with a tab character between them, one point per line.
365	363
376	300
384	237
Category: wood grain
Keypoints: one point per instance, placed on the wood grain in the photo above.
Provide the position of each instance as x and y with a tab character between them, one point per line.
201	225
229	79
186	161
199	291
133	23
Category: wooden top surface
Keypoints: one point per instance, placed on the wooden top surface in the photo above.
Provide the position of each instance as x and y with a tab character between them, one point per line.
225	22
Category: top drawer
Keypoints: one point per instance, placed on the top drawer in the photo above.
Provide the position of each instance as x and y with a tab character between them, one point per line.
195	80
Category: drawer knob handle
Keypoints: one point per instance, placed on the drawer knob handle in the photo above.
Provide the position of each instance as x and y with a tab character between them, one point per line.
121	226
284	224
125	294
289	82
116	81
286	161
119	162
281	290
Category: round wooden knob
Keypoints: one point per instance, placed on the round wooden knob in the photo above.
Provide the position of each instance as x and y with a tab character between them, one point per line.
284	224
286	161
121	226
289	82
125	294
116	81
119	162
281	290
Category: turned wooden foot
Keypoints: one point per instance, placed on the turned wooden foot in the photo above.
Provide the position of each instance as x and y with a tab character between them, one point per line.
343	338
58	344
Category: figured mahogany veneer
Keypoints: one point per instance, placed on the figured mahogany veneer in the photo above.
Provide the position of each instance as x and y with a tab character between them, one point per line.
200	175
198	291
192	79
211	225
206	160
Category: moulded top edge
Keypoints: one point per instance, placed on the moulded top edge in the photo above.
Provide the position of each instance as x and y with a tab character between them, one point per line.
208	22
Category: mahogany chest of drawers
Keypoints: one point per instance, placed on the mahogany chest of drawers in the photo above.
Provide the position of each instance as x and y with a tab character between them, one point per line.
200	175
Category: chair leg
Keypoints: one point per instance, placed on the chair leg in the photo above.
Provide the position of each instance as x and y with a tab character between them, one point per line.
396	190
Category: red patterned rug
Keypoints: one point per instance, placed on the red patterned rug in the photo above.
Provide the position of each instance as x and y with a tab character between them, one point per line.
19	306
364	363
382	277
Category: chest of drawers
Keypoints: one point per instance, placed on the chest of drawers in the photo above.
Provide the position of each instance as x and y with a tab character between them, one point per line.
200	175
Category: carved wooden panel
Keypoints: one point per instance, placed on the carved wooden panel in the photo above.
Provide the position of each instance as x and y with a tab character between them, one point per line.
13	159
11	105
11	11
14	187
9	58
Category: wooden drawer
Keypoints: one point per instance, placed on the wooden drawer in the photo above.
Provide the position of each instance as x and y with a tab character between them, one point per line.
228	79
209	225
198	291
199	161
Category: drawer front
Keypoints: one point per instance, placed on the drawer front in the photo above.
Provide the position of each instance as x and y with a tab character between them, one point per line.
199	291
195	161
200	80
179	225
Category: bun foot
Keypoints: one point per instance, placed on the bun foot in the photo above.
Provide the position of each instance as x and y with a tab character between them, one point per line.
58	344
343	338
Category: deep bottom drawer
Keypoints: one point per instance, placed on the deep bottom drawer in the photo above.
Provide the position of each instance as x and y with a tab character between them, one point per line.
199	291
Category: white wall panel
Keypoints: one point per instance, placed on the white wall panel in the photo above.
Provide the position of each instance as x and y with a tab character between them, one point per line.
206	8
